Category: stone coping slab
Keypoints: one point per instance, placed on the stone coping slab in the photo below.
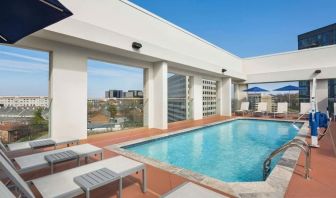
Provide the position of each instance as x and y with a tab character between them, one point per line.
275	185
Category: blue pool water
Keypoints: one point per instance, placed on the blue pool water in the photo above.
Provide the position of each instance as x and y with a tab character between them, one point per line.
231	151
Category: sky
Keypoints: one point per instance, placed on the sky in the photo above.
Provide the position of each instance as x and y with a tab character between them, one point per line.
243	27
104	76
23	72
246	27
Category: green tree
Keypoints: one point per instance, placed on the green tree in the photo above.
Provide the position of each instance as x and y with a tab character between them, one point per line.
38	118
112	108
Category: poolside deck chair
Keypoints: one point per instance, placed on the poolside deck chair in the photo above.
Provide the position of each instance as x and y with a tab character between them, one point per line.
244	108
282	109
37	161
62	184
13	147
191	190
304	109
262	109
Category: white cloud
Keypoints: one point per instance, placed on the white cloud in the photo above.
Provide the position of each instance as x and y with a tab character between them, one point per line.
22	66
41	60
114	73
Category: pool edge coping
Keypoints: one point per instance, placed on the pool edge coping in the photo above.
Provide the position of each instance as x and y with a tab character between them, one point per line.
275	185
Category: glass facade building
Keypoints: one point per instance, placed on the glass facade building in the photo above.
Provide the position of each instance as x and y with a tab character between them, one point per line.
317	38
304	91
331	95
178	104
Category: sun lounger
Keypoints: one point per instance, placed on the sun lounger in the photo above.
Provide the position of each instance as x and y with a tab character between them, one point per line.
49	142
262	109
282	109
62	184
304	109
191	190
38	160
244	108
4	192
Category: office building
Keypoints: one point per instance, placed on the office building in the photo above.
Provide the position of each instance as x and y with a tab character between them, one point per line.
177	98
24	101
114	94
320	37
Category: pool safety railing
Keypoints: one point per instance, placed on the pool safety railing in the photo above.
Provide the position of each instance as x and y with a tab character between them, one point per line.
293	143
298	119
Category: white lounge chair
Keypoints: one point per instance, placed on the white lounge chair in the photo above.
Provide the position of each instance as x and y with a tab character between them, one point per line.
191	190
282	109
305	107
37	161
261	109
62	184
244	108
54	142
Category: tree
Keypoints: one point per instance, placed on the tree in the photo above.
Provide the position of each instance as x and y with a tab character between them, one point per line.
112	108
38	118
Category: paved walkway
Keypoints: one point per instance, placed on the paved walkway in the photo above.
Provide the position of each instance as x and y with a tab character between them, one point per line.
323	172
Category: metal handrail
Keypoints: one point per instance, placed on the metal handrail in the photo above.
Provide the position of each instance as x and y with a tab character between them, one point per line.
293	143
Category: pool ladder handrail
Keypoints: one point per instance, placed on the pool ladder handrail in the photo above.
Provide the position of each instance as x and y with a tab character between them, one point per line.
293	143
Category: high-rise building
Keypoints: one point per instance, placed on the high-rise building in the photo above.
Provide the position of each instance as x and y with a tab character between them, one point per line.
133	94
317	38
209	97
178	98
114	94
24	101
254	99
304	91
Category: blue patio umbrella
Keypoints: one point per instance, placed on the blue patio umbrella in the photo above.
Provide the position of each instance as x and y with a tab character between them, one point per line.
255	89
288	88
19	18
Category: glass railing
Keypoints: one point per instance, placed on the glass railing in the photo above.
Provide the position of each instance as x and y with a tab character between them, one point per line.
271	100
109	115
19	124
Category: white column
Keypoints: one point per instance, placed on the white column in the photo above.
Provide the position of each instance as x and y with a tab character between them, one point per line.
68	94
148	98
196	94
321	94
158	93
224	92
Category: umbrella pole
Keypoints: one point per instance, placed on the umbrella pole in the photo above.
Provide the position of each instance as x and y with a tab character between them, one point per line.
289	99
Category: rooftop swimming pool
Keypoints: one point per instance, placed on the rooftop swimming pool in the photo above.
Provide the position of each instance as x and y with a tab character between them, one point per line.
232	151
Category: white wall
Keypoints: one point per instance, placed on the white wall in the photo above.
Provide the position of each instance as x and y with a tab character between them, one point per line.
117	23
296	65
